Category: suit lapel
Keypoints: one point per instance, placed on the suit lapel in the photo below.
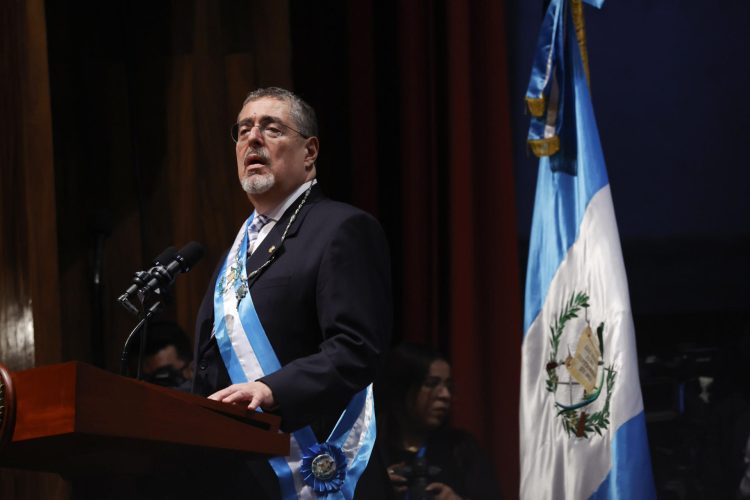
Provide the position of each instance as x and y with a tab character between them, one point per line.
261	254
271	244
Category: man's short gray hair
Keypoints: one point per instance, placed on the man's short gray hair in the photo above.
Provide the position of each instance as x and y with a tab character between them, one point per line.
302	113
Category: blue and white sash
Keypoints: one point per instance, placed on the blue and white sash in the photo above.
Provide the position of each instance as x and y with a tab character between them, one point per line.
312	470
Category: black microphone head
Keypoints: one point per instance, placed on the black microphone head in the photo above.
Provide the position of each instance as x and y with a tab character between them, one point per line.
167	256
189	255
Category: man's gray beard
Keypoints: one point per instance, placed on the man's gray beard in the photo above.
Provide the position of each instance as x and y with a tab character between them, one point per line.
258	183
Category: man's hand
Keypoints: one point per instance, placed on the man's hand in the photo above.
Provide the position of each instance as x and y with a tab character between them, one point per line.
442	491
255	394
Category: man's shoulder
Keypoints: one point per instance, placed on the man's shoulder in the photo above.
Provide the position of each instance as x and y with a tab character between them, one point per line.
337	211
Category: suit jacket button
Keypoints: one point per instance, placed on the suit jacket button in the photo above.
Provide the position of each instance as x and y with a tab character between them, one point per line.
203	366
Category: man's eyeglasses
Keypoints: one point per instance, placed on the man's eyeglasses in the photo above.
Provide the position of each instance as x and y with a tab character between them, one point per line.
270	129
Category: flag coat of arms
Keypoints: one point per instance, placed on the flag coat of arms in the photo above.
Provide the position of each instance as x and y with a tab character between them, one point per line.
582	425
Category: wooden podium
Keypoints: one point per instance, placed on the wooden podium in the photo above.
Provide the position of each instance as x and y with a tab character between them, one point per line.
83	422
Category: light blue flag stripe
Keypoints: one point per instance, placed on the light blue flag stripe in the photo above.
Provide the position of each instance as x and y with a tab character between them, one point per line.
561	200
630	476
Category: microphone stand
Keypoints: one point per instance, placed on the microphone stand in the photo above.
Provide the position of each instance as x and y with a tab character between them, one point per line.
155	281
145	315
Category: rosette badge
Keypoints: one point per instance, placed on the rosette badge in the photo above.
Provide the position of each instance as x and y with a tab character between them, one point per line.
324	468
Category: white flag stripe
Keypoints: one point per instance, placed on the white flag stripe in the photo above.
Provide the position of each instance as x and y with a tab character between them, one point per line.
555	465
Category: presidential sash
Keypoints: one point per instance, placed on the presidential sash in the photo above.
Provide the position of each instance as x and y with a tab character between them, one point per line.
312	470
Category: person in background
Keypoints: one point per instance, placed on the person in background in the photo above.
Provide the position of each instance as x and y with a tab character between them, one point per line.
427	457
168	360
167	357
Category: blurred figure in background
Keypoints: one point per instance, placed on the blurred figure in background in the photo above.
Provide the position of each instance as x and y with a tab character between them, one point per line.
723	457
428	458
168	357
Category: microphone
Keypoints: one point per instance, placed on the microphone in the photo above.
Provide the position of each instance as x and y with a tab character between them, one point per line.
181	262
166	268
166	256
142	277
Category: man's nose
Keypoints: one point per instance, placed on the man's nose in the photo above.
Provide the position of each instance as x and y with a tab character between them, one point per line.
254	136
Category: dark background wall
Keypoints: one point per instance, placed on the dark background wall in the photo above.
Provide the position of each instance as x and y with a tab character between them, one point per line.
668	81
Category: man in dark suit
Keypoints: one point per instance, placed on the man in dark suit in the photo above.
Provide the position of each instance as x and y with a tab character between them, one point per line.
316	275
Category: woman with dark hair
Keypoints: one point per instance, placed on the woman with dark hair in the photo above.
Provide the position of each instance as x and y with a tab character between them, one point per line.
429	458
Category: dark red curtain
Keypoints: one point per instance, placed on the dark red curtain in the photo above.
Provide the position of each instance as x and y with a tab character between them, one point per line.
431	144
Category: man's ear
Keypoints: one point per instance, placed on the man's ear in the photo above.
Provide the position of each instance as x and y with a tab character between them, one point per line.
311	151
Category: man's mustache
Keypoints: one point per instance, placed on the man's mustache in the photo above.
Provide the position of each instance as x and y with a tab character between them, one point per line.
261	154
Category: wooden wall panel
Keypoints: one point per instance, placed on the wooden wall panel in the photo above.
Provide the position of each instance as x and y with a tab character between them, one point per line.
38	168
29	294
16	323
206	90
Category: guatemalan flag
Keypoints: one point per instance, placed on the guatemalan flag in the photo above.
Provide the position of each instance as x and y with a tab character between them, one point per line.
583	432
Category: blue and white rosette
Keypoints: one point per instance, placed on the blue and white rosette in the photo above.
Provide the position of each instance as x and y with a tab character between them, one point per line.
312	470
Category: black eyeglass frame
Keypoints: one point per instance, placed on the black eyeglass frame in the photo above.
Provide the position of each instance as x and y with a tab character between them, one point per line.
235	131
